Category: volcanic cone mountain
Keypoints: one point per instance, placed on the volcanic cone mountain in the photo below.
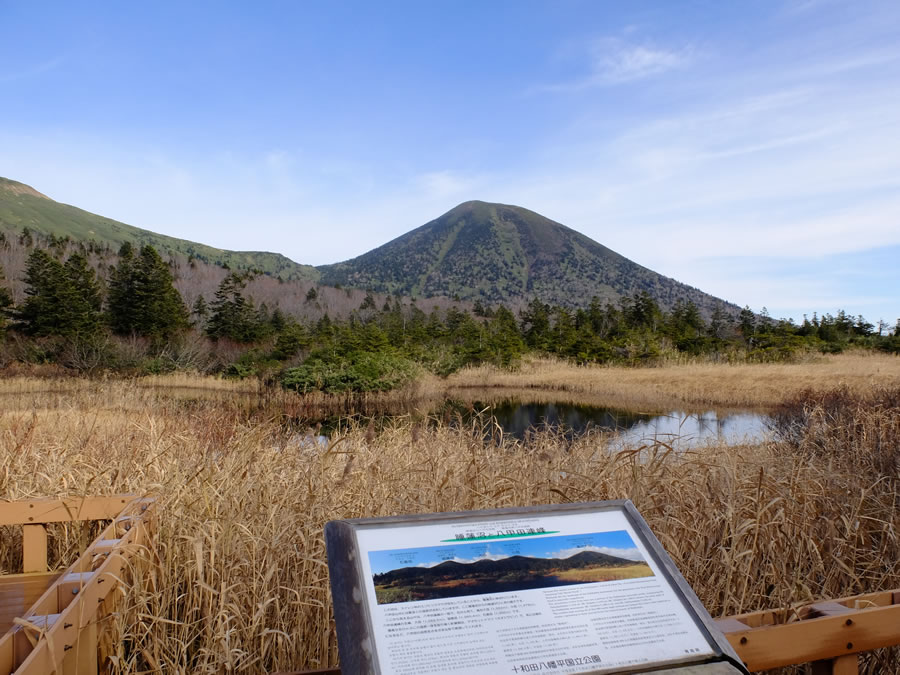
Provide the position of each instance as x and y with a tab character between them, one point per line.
499	254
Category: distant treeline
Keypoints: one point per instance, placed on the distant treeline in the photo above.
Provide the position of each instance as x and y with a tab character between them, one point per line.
131	318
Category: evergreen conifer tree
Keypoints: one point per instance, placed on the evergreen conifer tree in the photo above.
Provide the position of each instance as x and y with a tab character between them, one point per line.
41	313
160	313
505	342
536	324
278	322
62	299
718	323
142	299
120	308
81	300
200	309
747	321
642	311
233	316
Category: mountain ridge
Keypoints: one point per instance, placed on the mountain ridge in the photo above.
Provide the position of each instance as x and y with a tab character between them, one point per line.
32	209
503	565
478	251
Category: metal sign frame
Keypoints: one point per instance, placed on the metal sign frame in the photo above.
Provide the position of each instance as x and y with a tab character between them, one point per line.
358	641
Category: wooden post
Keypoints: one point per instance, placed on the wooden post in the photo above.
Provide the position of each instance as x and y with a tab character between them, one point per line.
34	548
842	665
82	658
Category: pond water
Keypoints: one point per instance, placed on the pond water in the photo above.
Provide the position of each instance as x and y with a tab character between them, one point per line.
519	417
677	428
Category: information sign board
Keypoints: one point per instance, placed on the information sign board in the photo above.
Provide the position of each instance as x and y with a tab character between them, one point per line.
580	588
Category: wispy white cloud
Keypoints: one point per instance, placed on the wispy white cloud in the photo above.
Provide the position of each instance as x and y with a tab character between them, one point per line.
614	61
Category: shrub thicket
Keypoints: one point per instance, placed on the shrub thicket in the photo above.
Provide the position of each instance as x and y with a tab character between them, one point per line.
372	348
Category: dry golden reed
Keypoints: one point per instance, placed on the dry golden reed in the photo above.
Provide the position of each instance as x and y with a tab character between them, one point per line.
687	386
241	580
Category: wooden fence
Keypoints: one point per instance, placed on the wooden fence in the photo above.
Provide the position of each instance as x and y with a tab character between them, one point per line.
829	634
52	621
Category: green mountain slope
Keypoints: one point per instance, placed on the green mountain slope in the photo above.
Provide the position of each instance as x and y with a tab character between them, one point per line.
478	251
501	254
23	206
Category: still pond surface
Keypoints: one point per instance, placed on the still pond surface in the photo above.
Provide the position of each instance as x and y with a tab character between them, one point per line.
677	428
518	418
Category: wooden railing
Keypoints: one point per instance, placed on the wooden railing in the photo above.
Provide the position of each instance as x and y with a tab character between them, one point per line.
829	634
50	621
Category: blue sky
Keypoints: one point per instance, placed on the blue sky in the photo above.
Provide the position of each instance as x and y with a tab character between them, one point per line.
616	543
751	149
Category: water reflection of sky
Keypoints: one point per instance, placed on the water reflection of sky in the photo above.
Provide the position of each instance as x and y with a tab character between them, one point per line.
695	429
677	428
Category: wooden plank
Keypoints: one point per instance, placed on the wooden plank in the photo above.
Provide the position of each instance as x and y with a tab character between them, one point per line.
827	608
34	548
817	639
18	592
69	586
771	617
6	655
730	625
82	658
24	637
767	617
107	646
866	600
62	510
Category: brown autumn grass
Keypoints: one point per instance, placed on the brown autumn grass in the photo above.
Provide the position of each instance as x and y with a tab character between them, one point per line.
242	578
689	385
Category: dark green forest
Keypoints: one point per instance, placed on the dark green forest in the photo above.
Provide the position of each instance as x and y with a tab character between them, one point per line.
132	320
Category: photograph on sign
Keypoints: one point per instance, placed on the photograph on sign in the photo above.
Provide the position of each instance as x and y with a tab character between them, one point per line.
565	592
504	564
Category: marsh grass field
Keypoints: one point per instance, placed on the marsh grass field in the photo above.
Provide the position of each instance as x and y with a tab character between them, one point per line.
240	580
686	384
636	571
